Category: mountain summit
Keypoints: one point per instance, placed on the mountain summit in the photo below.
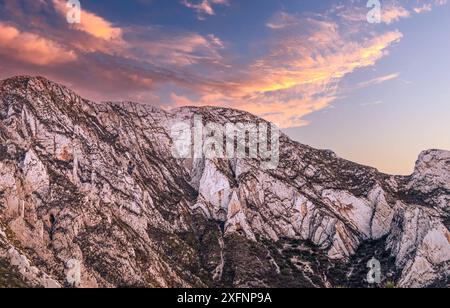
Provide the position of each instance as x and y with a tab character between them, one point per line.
92	196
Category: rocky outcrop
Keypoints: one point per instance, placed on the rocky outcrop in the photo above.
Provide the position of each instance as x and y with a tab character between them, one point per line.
92	196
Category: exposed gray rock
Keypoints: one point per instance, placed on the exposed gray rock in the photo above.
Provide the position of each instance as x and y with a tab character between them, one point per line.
95	187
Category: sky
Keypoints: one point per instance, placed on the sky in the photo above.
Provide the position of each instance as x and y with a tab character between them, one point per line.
376	93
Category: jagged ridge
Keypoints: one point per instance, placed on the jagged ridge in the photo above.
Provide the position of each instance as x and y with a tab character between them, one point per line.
97	184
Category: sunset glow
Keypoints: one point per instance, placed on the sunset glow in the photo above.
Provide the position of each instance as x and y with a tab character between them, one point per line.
376	93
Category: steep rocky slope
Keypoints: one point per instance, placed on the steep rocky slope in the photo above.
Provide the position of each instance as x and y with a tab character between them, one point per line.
96	186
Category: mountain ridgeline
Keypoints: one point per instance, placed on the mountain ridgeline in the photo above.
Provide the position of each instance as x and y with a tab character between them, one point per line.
91	196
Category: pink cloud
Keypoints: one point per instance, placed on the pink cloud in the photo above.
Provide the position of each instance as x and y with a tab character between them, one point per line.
32	48
393	12
128	67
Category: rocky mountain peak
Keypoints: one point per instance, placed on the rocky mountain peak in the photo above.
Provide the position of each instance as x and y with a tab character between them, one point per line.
32	84
435	163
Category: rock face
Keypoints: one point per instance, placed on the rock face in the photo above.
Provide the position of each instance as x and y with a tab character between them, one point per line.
91	196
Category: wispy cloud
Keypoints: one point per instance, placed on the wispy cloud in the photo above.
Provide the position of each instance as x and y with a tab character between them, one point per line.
302	70
375	103
297	72
204	7
378	80
392	11
282	20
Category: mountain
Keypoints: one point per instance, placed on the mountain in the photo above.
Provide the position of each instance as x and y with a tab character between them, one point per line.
92	196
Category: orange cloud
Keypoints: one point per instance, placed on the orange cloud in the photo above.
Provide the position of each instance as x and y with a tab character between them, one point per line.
394	12
287	113
32	48
301	73
91	23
